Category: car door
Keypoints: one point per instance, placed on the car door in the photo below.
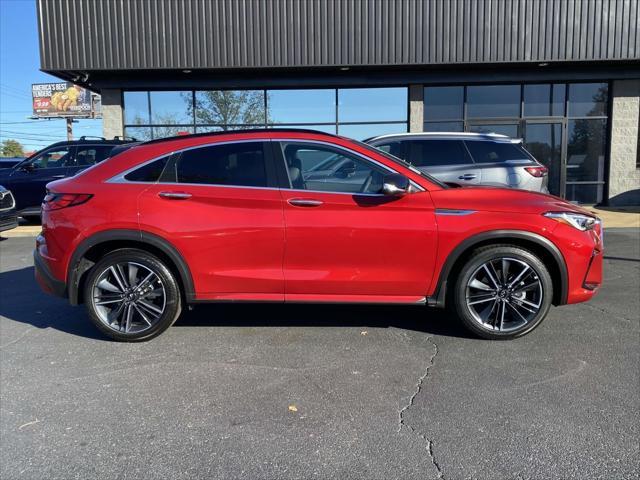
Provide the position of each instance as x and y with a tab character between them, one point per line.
88	155
28	180
446	159
346	243
219	205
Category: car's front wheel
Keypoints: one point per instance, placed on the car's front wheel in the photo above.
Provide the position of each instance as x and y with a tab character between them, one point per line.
502	292
131	295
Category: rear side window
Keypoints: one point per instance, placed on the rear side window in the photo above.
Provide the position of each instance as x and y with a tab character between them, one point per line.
148	173
393	148
240	164
91	154
493	152
427	153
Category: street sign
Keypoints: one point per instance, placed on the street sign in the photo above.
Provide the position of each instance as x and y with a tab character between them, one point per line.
63	99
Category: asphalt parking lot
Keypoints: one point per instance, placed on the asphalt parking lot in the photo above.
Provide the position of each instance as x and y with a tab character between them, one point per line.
307	391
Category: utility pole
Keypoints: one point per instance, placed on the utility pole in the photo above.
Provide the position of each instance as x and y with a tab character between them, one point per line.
69	128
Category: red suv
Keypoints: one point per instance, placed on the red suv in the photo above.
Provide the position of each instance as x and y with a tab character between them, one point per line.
285	215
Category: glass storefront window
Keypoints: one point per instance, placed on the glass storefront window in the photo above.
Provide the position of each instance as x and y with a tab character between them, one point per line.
301	106
136	110
587	99
363	131
230	107
586	150
543	100
171	108
581	193
493	101
321	128
372	104
510	130
139	133
443	127
443	103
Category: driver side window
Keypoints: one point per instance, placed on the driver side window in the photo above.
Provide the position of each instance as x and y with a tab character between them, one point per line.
56	157
327	169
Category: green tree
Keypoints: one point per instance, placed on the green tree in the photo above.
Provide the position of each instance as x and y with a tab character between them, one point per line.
227	108
12	148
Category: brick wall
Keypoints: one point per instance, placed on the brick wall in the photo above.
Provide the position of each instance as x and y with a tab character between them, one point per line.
624	176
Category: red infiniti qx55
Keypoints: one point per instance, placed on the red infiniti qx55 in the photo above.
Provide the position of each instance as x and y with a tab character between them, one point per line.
286	215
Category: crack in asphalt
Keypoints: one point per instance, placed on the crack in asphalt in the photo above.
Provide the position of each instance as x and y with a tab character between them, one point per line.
403	410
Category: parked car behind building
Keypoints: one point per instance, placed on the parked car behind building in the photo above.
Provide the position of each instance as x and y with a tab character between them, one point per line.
468	158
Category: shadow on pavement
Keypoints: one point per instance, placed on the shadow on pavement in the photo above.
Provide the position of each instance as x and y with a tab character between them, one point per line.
23	301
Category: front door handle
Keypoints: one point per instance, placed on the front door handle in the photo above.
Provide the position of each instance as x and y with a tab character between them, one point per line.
467	176
175	195
58	176
304	202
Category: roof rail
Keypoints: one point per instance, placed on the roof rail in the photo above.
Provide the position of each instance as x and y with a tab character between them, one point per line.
124	138
84	137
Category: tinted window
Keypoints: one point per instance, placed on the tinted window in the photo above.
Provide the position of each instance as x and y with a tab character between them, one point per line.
443	126
493	101
493	152
425	153
327	169
510	130
54	158
149	172
394	148
586	147
136	107
87	155
170	108
295	106
443	103
587	99
241	164
360	131
543	100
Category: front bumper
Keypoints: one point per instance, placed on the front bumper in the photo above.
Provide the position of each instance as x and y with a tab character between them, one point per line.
8	220
45	278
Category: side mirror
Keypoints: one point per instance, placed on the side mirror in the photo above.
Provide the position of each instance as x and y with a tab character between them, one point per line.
395	185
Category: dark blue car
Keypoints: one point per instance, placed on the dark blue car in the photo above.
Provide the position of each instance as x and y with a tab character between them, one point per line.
27	179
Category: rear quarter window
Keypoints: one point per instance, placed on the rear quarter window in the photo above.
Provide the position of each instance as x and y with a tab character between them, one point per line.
494	152
148	173
427	153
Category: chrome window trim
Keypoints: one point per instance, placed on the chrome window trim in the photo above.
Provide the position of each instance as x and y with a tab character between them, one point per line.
119	178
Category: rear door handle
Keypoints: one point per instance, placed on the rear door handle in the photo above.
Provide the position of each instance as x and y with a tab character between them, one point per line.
467	176
174	195
304	202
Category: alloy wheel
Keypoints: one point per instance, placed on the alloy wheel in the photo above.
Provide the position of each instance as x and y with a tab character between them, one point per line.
129	297
504	294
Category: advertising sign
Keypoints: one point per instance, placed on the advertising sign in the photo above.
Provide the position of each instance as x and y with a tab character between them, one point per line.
61	100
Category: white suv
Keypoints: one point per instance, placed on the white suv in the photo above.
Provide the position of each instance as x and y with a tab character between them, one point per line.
468	158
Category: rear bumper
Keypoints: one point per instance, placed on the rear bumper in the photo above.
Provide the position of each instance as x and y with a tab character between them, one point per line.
48	283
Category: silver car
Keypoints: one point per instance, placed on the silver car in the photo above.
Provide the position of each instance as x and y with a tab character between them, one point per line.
468	158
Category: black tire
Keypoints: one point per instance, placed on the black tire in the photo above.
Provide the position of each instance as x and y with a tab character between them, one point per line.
504	306
135	328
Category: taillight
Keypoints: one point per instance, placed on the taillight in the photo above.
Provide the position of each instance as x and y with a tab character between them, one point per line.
56	201
537	171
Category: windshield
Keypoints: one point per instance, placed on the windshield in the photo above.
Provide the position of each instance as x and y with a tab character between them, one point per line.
402	162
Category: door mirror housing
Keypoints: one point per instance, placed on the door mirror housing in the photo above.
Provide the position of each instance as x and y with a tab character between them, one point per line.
396	185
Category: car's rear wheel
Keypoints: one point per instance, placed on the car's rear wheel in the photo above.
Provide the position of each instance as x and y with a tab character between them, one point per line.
131	295
502	292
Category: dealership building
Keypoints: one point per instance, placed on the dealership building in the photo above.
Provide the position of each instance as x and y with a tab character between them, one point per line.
563	75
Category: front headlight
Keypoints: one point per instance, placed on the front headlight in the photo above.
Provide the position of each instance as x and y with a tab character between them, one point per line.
576	220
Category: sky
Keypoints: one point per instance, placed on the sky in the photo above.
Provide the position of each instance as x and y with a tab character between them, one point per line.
19	68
